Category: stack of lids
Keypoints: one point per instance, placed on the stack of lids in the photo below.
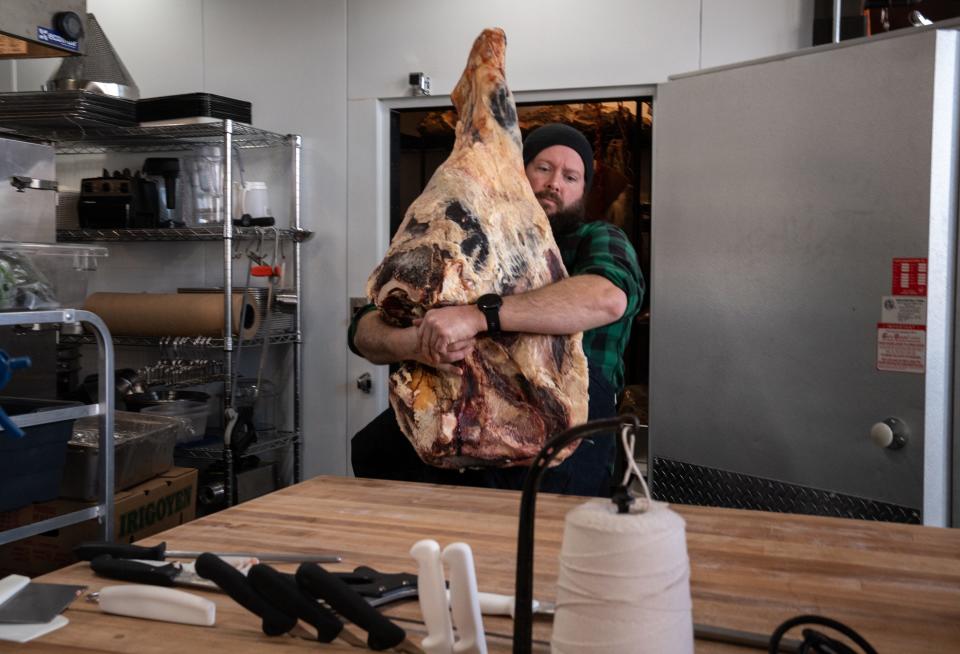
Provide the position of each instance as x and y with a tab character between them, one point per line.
65	109
192	105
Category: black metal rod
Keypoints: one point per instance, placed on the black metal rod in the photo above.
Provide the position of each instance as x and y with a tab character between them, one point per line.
523	598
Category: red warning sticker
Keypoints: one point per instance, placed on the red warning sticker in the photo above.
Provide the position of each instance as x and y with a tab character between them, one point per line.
910	277
901	348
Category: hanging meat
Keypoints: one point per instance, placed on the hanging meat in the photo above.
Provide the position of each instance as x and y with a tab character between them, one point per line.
477	228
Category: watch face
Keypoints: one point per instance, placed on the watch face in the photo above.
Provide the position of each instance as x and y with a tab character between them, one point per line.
489	301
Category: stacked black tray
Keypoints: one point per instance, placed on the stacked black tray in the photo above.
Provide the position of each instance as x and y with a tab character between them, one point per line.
191	105
65	109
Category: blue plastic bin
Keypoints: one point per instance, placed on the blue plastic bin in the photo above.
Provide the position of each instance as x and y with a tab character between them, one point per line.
31	467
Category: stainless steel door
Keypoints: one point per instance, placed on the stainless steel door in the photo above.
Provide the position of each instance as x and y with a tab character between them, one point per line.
783	190
28	215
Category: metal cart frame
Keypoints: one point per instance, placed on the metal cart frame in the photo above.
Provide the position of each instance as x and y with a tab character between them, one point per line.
103	511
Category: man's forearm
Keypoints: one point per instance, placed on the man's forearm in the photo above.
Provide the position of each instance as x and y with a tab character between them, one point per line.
381	343
571	305
575	304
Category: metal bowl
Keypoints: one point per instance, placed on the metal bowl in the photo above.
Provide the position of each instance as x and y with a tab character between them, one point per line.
138	401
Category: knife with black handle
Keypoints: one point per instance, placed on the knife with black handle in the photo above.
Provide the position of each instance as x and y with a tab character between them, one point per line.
89	550
382	633
140	573
283	592
238	587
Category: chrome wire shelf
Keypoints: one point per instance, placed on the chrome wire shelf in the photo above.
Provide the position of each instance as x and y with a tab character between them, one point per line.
215	452
197	342
166	138
196	381
182	234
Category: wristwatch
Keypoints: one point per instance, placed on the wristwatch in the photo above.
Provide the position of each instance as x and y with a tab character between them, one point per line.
489	305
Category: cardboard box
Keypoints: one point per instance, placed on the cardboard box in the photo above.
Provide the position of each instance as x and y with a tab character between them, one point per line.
163	502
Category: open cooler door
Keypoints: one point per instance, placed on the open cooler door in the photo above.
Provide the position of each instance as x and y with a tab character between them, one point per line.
803	281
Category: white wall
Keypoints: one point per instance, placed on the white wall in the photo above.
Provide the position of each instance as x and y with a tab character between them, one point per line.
561	47
289	58
552	44
738	30
320	68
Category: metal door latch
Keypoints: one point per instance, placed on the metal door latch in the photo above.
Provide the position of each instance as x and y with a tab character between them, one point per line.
891	433
22	183
365	383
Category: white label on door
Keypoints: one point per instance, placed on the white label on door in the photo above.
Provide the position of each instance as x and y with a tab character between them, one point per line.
901	348
903	310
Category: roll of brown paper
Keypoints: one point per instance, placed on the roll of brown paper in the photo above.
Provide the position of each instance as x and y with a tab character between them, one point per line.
170	314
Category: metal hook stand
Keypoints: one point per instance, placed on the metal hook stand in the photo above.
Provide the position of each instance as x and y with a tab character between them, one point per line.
624	471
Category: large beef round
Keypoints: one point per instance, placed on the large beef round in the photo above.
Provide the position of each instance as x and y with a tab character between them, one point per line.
477	228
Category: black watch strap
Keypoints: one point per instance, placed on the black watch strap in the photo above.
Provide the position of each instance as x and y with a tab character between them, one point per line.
489	305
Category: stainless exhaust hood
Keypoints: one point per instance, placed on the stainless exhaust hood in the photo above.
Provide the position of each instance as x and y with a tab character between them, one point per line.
99	70
31	29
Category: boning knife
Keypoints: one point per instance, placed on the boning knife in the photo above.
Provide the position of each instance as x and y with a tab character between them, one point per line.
90	550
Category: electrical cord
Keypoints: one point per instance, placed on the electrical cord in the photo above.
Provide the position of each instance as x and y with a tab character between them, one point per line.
815	642
523	604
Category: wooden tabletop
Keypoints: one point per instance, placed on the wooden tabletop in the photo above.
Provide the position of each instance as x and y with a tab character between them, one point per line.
898	585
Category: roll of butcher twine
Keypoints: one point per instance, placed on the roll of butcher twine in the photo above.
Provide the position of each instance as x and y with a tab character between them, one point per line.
624	583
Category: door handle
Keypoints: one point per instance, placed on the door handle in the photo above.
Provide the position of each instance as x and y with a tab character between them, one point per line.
21	183
891	433
365	383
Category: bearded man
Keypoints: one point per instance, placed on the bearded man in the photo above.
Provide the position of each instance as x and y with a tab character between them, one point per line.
600	298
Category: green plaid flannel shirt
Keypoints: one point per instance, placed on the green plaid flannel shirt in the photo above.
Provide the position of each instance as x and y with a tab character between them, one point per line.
594	248
599	248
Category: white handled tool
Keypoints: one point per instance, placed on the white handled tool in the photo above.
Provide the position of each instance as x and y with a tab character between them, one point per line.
464	601
157	603
496	604
433	598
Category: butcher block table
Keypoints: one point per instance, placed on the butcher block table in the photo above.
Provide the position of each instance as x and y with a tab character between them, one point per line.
898	585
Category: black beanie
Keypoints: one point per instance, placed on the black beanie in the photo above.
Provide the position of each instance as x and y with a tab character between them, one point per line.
560	134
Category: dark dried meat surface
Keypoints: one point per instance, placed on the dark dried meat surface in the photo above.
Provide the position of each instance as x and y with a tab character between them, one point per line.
477	228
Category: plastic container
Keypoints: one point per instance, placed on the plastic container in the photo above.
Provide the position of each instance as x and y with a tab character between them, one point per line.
31	467
154	397
35	276
143	448
193	414
203	191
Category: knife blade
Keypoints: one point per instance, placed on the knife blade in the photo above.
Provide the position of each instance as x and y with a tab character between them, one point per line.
149	572
88	551
32	602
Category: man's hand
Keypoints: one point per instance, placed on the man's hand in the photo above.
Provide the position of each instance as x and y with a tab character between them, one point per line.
383	343
444	359
448	331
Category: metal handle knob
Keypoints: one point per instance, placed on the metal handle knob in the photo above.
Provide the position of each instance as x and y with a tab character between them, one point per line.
890	433
365	383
